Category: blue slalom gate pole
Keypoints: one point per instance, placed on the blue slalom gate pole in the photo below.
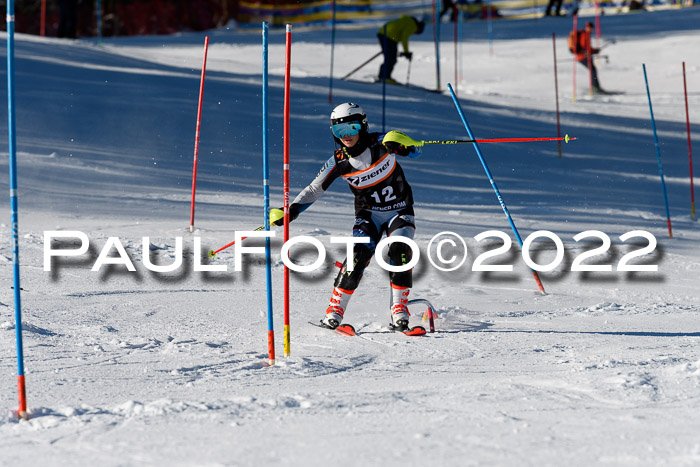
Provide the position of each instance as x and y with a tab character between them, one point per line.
384	81
330	83
658	153
459	41
99	21
436	23
266	198
490	26
11	130
493	183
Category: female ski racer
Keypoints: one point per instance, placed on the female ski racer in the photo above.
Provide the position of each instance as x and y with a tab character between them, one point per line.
383	204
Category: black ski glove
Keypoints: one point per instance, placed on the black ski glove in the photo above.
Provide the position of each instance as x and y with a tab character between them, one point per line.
408	55
400	149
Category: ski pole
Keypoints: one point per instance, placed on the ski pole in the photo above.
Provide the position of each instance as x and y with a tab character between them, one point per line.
566	138
405	140
363	64
493	184
408	73
212	253
611	42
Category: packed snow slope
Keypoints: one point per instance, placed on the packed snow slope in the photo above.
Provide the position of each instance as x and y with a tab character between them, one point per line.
147	368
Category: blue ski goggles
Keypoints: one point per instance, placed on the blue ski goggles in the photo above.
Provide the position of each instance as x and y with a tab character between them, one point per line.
341	130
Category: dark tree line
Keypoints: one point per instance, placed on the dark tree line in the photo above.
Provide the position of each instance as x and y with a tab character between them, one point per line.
77	18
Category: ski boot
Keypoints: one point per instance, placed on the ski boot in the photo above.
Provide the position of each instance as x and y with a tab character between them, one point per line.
336	307
333	318
399	317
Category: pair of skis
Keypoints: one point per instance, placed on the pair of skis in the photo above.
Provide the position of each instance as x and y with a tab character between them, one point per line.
349	330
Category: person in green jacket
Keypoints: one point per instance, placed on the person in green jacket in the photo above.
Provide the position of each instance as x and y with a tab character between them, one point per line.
389	35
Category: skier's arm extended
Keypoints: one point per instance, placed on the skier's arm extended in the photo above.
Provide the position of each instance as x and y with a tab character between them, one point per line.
308	195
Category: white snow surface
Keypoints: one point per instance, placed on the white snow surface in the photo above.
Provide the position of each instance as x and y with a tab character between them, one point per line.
144	368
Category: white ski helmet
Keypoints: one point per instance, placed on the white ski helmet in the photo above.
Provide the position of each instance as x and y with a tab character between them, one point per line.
349	112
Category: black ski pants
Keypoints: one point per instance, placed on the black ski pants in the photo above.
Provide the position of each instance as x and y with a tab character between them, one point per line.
390	49
556	4
594	71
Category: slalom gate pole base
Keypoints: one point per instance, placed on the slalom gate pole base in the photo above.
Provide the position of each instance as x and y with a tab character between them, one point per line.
429	314
271	347
287	341
22	395
539	283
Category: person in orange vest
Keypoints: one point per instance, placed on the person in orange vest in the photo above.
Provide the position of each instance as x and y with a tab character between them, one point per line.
389	35
580	46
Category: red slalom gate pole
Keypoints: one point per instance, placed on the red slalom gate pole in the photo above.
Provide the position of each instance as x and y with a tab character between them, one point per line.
590	66
575	56
196	133
690	148
597	24
556	88
287	337
42	20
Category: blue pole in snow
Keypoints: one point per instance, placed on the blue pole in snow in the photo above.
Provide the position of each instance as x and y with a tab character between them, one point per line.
11	130
437	49
493	183
490	26
266	182
330	84
658	153
460	18
384	82
99	21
